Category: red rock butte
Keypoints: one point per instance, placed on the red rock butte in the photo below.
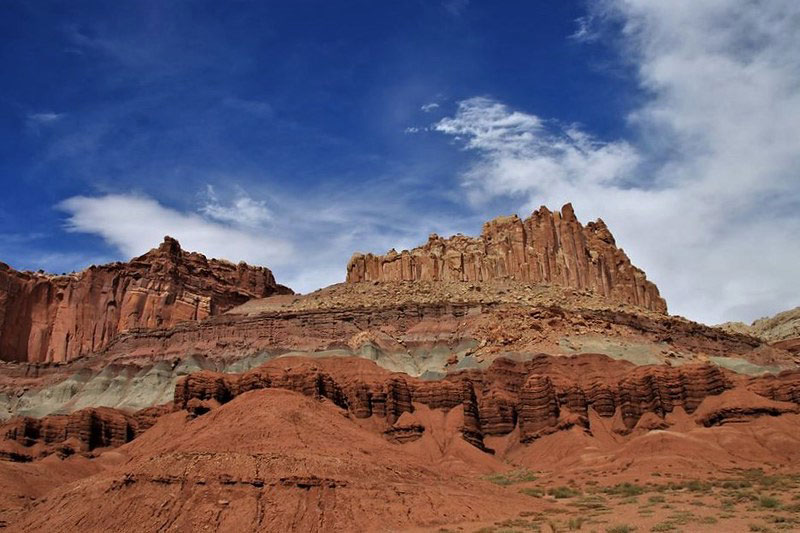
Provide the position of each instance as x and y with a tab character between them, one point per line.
546	248
57	318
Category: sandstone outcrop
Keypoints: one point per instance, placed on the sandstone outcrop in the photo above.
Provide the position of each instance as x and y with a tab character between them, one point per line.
541	396
546	248
57	318
736	406
84	430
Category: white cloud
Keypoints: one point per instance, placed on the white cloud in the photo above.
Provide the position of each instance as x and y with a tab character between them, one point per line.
427	108
254	107
306	242
706	196
522	153
44	118
243	211
585	31
455	7
135	224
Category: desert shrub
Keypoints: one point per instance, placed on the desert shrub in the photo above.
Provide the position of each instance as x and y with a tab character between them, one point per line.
698	486
664	526
508	478
624	489
536	492
622	528
576	523
593	502
768	502
657	498
563	492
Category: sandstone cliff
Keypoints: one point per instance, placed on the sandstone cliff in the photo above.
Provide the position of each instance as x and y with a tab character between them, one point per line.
541	396
546	248
56	318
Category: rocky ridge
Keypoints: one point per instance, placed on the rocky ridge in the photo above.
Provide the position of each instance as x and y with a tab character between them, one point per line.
546	248
781	330
57	318
27	438
541	396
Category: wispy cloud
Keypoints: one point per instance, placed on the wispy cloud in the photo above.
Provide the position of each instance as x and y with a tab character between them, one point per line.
705	196
455	7
242	211
254	107
45	118
305	241
427	108
134	224
585	30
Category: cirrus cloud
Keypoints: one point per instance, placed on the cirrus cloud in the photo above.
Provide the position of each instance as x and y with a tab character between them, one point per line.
705	195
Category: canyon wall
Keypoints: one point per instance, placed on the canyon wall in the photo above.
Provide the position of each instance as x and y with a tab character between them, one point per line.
57	318
541	396
546	248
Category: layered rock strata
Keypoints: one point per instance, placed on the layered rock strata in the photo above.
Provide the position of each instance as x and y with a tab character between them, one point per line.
546	248
540	396
83	430
57	318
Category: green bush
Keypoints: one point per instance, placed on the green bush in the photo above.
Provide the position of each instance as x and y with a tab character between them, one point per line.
622	528
624	489
768	502
563	492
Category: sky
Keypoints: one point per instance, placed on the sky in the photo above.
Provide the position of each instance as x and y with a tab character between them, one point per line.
292	134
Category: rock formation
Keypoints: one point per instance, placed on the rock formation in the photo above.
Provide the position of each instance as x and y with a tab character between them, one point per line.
83	430
781	330
546	248
56	318
542	396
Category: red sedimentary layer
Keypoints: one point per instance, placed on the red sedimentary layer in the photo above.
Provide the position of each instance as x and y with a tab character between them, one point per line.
87	429
546	248
541	396
56	318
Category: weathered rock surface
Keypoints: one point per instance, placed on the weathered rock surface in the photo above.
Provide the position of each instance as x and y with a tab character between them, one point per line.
542	396
546	248
781	330
741	405
57	318
83	430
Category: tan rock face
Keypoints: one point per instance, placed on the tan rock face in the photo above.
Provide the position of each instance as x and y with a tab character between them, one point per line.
546	248
56	318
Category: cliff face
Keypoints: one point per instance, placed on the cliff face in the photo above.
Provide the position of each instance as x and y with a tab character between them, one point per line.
546	248
541	396
56	318
81	431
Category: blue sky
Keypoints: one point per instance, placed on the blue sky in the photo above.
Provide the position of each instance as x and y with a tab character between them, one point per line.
292	134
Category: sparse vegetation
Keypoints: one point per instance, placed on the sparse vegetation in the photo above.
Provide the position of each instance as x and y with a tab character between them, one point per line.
536	492
622	528
624	489
664	526
698	486
576	523
509	478
563	492
768	502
